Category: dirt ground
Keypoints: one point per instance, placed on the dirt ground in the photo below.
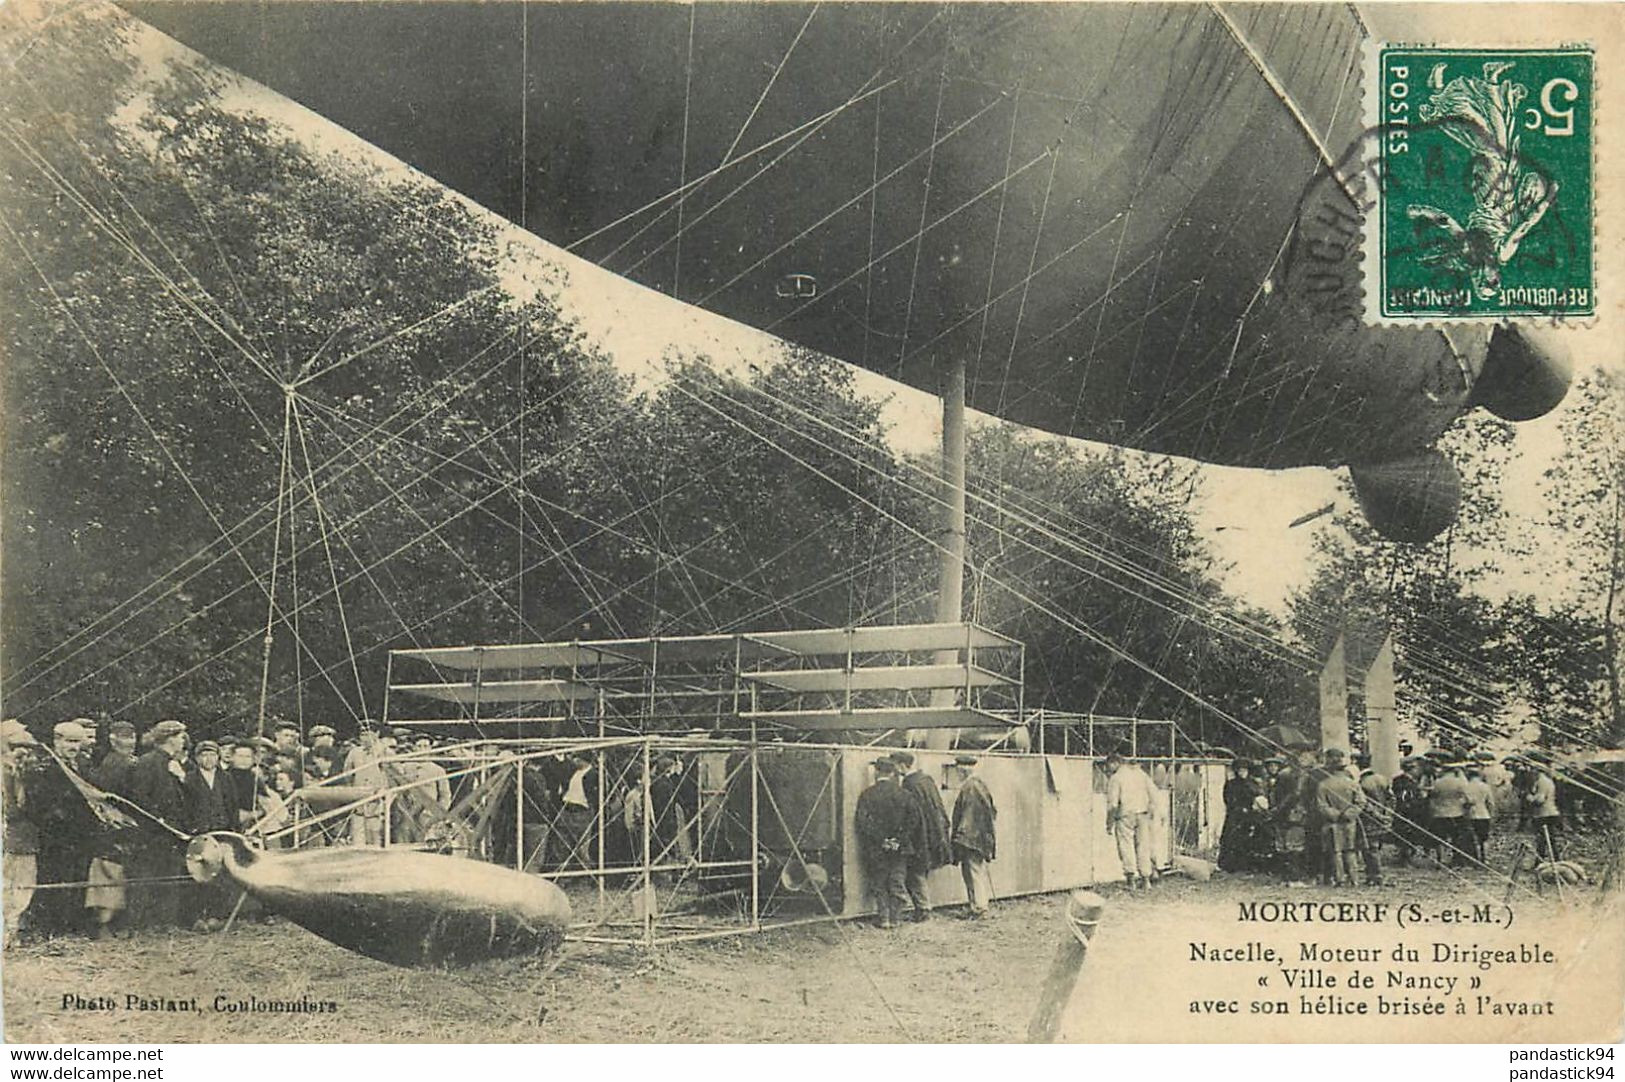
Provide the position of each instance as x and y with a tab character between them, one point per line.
945	980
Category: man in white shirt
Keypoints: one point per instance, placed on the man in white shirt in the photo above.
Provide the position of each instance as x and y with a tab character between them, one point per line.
1130	796
578	814
364	767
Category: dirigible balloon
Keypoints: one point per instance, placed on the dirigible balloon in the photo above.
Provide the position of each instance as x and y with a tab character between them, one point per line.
1101	209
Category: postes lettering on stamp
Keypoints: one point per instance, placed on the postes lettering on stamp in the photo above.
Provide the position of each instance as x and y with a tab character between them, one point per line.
1484	209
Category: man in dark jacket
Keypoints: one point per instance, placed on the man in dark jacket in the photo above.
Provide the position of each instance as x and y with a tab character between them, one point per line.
887	823
113	772
932	849
157	785
210	805
107	896
67	831
210	795
974	836
243	785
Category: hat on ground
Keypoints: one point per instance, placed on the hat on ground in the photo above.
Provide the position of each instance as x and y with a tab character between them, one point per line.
166	729
15	733
206	745
322	730
965	760
71	730
902	758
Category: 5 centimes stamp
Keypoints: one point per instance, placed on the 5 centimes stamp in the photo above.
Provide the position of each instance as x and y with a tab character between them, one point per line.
1486	202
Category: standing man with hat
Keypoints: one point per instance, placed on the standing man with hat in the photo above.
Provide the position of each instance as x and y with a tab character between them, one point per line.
1130	796
113	772
19	837
1376	821
1410	818
322	760
886	821
1338	802
974	836
157	780
1447	807
67	831
1540	811
366	770
932	848
158	786
210	795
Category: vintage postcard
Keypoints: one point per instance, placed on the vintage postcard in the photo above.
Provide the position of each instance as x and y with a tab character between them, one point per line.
794	522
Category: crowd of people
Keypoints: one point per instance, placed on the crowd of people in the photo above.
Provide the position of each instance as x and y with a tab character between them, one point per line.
1307	817
77	862
1317	817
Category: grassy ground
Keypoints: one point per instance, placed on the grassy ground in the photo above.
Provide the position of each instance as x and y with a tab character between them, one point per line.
944	980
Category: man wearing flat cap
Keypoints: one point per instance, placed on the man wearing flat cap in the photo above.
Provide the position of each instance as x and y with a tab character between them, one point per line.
932	849
113	772
973	836
210	805
158	786
67	832
209	793
887	825
322	760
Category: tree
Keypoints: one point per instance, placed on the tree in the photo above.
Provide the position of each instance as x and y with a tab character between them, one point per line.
221	333
1584	490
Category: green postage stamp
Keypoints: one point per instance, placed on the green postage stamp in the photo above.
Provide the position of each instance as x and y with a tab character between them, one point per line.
1485	192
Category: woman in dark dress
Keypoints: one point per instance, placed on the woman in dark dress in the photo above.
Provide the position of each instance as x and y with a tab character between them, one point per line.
1244	844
